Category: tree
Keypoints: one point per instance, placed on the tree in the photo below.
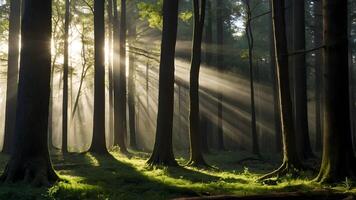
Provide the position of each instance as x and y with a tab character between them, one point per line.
111	64
98	144
338	157
163	150
250	42
196	154
300	81
65	79
220	60
318	37
291	160
12	74
30	161
132	77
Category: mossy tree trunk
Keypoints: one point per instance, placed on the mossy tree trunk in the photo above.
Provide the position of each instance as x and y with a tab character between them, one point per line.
30	161
196	153
291	161
98	144
163	149
338	157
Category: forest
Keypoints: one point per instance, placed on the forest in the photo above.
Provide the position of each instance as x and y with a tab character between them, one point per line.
178	99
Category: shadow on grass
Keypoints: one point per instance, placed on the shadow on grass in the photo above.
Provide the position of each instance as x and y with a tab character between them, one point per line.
113	179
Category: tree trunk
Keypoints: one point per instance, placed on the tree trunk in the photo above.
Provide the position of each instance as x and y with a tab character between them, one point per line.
250	40
163	149
338	157
196	154
65	80
277	117
132	79
120	126
318	37
30	161
220	60
300	82
291	161
98	144
12	74
205	121
110	47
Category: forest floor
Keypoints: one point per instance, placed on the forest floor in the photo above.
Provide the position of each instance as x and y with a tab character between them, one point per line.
89	176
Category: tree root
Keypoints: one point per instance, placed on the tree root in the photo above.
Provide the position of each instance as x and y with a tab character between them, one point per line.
36	172
284	169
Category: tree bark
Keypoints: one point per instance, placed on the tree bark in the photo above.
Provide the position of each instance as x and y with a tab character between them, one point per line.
163	149
196	154
30	161
300	82
12	74
291	161
338	157
98	144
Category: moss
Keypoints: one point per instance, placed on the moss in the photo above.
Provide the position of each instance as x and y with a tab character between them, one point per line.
89	176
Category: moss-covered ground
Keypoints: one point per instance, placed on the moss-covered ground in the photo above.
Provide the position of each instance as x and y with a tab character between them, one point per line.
89	176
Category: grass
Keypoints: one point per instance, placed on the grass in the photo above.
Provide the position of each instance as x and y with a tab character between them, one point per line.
89	176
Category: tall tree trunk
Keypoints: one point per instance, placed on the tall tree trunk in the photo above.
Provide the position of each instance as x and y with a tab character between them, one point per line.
30	161
163	148
277	116
318	37
65	80
132	79
110	47
338	157
291	160
98	144
120	127
12	74
250	40
220	60
300	81
196	154
205	121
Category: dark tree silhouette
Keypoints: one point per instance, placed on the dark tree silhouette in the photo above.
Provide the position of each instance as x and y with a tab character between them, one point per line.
196	153
12	74
163	149
300	81
65	80
291	160
250	41
30	161
98	144
338	157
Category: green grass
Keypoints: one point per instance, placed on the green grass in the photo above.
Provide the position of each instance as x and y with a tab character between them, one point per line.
88	176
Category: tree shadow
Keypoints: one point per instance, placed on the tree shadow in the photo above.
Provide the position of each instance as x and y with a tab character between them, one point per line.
114	179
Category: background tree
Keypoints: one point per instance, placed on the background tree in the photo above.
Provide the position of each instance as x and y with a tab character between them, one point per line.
30	160
12	74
